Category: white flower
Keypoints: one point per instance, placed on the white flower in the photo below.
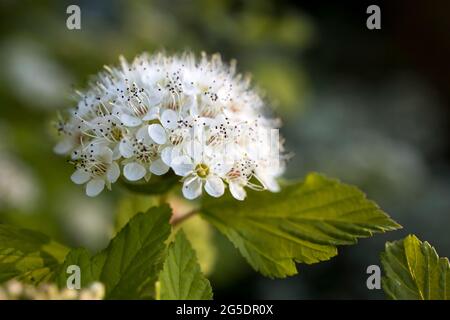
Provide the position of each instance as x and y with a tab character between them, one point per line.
170	120
194	116
142	155
72	135
203	166
178	138
95	166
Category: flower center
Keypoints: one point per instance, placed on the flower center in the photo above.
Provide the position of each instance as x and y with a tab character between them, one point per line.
116	133
95	167
99	168
140	110
145	153
202	170
176	138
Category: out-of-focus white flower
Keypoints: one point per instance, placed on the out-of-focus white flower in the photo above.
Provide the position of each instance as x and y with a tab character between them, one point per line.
15	290
18	186
21	60
196	117
86	222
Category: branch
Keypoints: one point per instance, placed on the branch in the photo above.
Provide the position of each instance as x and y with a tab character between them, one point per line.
177	219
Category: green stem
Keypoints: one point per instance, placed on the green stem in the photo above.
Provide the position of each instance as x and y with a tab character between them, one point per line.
163	199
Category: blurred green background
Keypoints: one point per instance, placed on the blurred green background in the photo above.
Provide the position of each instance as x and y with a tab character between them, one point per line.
370	107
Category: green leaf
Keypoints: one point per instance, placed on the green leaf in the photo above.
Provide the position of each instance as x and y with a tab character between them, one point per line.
200	234
181	278
414	271
90	271
135	255
156	184
130	205
303	223
28	255
132	260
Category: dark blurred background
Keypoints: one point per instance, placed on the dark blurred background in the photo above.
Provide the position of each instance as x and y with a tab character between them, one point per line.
370	107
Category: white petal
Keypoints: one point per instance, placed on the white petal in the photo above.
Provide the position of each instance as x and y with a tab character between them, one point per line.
107	155
166	155
208	121
113	172
169	119
158	167
190	102
193	108
269	182
130	121
195	150
237	191
221	168
152	114
182	165
63	147
177	151
98	146
157	133
80	176
126	148
190	88
134	171
155	98
142	135
273	185
116	152
192	189
214	186
94	187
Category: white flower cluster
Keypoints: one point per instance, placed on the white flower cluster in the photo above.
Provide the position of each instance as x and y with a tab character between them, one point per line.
197	117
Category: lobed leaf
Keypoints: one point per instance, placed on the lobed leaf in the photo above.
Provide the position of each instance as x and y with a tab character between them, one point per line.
132	260
28	255
414	271
303	223
181	277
